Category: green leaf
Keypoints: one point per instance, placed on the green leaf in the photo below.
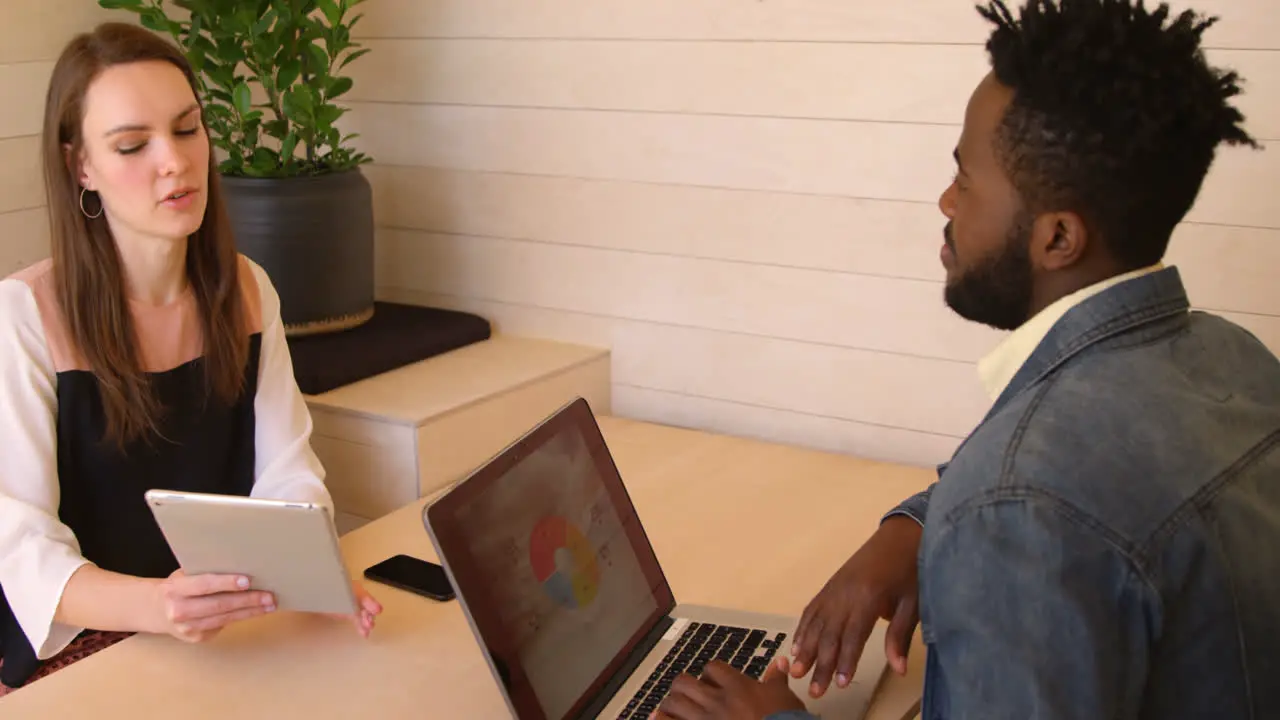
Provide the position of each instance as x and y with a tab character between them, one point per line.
203	46
244	18
265	22
338	87
288	74
288	146
306	97
121	4
242	98
221	96
327	115
265	160
340	40
353	56
230	50
221	76
289	106
197	24
154	19
276	128
297	105
318	62
216	113
331	11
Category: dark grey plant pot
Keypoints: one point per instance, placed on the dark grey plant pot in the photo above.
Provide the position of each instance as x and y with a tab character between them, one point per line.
314	238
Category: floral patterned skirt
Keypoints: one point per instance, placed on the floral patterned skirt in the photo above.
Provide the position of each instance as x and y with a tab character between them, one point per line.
85	644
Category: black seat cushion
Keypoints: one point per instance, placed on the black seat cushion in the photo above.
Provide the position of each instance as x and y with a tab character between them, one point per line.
396	335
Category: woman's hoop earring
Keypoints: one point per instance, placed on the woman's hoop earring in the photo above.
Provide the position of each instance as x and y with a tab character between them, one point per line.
83	190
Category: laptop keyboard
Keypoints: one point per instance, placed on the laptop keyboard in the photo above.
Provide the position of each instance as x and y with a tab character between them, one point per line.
749	651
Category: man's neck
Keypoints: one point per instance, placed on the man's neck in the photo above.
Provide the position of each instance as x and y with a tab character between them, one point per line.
155	269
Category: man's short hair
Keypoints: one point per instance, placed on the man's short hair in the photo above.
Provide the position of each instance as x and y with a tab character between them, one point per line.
1116	115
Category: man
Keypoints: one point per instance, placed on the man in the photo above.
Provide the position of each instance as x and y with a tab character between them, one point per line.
1106	544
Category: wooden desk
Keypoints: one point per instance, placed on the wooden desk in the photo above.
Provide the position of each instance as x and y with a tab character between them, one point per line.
733	521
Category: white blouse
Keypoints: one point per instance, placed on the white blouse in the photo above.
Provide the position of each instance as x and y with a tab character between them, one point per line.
38	553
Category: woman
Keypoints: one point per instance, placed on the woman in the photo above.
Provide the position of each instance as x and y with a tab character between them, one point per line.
145	353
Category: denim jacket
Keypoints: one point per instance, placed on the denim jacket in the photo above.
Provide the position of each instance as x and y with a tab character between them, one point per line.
1106	543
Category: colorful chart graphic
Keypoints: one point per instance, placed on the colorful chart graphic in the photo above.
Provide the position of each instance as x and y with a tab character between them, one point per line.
564	562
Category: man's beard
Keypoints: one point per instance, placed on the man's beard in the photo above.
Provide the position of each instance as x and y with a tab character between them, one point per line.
997	290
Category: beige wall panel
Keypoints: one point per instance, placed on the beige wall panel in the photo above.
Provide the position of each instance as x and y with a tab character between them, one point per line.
1246	23
1229	268
24	239
21	181
871	160
934	396
893	239
763	378
38	29
22	89
1224	267
891	161
1260	70
824	433
1240	188
927	83
873	313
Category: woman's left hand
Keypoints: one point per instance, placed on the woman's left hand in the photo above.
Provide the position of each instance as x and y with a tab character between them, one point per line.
368	609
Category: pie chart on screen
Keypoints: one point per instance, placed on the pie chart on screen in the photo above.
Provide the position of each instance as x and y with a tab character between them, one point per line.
564	562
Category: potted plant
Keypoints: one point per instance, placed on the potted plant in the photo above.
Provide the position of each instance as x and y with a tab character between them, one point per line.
269	73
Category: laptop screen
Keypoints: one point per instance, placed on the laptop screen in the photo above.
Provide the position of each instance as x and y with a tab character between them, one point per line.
553	565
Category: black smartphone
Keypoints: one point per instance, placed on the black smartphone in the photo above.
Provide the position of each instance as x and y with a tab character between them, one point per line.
416	576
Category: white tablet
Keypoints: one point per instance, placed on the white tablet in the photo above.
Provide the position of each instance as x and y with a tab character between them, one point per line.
287	548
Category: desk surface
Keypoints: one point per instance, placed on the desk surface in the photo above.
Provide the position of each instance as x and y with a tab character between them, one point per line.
422	661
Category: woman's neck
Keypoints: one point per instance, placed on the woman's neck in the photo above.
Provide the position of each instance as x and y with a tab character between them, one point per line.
155	269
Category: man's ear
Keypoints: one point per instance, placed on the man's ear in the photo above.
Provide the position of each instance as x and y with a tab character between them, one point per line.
1058	240
75	164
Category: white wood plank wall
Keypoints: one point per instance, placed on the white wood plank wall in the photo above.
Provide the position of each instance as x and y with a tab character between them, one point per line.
31	36
737	197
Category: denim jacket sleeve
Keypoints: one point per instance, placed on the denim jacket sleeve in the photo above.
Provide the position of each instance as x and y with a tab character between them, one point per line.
916	507
1032	612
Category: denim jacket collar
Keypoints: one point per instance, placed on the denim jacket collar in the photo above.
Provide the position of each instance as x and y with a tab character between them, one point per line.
1116	310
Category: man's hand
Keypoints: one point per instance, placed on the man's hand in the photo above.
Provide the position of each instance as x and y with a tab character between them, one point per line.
726	694
879	581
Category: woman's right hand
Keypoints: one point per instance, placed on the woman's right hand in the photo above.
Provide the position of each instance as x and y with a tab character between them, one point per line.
195	608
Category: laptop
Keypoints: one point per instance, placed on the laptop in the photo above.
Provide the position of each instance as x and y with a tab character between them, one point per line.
568	601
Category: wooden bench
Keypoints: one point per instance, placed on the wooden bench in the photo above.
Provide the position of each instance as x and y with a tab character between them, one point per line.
393	438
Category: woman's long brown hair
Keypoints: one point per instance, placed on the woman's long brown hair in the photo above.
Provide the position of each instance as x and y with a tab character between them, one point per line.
87	269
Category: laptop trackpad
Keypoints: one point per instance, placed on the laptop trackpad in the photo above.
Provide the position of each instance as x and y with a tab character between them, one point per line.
852	701
838	703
